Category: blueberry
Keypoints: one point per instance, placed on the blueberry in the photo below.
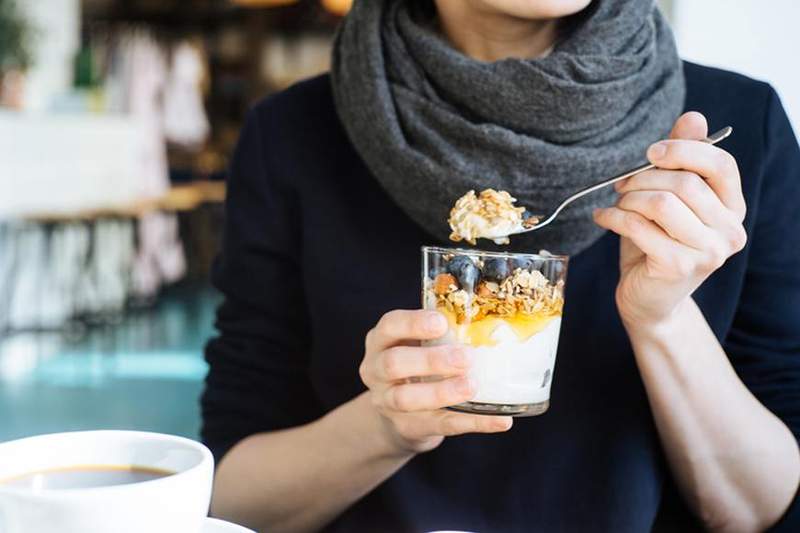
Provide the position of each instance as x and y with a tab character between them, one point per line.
465	270
459	262
525	263
496	269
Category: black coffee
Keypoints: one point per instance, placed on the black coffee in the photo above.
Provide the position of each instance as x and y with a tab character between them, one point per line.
84	477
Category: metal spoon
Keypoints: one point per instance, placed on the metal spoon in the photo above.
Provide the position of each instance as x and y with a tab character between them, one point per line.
711	139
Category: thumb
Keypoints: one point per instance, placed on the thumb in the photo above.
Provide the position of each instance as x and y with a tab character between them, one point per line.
692	126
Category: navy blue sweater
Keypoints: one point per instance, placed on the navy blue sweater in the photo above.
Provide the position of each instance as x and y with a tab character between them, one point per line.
315	252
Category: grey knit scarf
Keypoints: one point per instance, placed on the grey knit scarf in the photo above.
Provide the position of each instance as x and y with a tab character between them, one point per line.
431	123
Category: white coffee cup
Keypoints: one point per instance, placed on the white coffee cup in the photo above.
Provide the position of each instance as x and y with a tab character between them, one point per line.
176	503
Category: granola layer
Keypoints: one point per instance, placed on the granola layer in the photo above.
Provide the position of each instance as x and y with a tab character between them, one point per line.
523	293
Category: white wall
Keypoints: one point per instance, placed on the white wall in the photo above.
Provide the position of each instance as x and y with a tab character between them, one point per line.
759	38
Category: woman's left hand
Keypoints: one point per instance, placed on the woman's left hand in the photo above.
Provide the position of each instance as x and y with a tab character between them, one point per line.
679	223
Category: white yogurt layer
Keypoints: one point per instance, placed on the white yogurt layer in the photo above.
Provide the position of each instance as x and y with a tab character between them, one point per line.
514	372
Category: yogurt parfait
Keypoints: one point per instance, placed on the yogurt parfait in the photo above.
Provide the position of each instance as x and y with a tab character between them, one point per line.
507	307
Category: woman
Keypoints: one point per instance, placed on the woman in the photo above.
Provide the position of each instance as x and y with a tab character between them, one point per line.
675	403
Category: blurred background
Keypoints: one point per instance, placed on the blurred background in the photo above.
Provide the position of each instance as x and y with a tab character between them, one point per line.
117	119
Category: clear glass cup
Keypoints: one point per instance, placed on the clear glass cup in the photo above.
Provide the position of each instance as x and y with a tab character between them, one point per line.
507	308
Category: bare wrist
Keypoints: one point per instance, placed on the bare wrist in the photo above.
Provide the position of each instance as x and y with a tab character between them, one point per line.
366	428
656	328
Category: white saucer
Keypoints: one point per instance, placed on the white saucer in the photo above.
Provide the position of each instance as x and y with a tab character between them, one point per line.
212	525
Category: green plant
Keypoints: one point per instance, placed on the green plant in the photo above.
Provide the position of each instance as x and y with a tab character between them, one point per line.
15	35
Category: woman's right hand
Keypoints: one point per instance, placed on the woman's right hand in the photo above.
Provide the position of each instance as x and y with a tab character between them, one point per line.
395	368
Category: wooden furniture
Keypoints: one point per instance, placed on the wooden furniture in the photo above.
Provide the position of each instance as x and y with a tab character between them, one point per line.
177	199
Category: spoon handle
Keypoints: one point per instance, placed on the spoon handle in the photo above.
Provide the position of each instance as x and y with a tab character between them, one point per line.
711	139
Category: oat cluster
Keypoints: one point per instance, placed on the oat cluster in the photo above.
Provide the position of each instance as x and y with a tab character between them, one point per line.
472	214
524	292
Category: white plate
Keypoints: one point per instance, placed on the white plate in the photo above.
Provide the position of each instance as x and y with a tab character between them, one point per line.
212	525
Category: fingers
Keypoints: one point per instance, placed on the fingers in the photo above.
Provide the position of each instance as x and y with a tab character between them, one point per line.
449	424
671	214
691	125
693	191
715	165
400	325
688	186
672	259
403	362
411	397
415	408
